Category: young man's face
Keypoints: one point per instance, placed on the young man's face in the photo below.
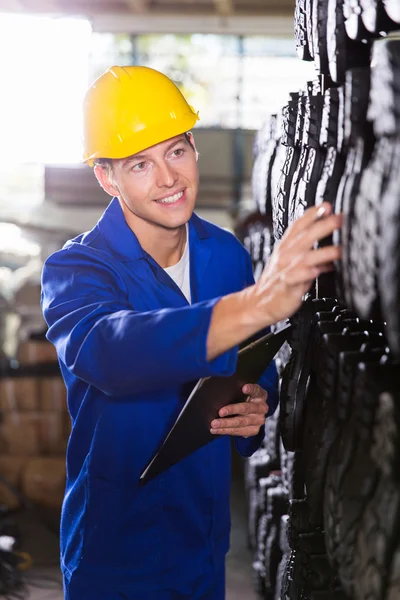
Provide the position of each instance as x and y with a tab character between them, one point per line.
159	185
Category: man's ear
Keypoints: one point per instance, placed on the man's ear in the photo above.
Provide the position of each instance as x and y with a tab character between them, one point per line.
103	176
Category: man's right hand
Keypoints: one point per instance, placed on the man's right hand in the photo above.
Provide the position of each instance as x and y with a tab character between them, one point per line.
294	264
291	270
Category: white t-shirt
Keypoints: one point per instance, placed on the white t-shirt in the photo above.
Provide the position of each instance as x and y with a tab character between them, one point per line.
180	272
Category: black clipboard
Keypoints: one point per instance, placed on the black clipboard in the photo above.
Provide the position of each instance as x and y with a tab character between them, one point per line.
191	429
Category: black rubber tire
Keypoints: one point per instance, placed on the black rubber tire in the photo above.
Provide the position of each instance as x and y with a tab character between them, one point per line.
280	576
292	584
257	469
392	9
389	257
330	122
343	53
319	21
375	541
353	22
271	441
296	374
283	539
321	423
393	588
331	174
259	466
365	237
352	468
265	485
384	105
358	157
282	358
277	507
255	232
276	171
375	18
356	99
292	473
347	368
287	459
264	152
302	19
280	201
308	172
299	522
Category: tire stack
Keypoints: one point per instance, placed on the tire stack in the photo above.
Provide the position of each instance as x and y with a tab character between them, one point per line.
324	505
267	502
255	229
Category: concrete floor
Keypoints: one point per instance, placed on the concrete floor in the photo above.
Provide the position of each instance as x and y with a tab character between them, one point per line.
238	564
44	581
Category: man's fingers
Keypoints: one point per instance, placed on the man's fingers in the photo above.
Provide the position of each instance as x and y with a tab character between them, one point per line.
254	390
241	431
320	229
304	269
304	276
311	216
322	256
239	422
244	408
326	268
317	222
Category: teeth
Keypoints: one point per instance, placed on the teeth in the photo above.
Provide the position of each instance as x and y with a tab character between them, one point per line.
171	199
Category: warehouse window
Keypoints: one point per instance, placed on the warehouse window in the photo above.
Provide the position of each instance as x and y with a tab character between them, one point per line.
44	76
234	81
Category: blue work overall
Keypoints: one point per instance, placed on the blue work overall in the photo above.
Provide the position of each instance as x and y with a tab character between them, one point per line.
128	344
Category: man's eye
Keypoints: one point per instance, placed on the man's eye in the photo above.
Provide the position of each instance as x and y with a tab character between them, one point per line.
179	152
139	167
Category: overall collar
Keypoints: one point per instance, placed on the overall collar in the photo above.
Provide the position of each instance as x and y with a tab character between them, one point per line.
123	242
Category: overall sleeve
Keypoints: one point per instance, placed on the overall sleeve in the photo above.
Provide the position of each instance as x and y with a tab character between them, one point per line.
104	342
269	381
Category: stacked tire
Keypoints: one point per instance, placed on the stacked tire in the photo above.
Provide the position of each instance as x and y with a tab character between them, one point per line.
324	519
255	228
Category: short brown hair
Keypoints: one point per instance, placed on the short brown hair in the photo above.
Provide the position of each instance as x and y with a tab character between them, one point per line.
103	162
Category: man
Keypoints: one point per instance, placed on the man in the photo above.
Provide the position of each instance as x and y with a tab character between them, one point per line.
149	301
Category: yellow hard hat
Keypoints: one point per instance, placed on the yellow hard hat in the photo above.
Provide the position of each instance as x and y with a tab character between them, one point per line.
129	109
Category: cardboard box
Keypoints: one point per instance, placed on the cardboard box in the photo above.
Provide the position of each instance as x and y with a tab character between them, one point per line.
43	481
52	394
52	440
67	425
32	352
33	434
11	468
19	434
18	394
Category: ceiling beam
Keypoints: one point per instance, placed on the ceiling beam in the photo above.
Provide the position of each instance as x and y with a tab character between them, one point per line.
224	7
138	6
15	6
272	25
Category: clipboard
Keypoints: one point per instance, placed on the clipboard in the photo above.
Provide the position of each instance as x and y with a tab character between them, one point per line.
191	429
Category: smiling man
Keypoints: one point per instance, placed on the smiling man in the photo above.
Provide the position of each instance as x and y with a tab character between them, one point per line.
139	308
159	188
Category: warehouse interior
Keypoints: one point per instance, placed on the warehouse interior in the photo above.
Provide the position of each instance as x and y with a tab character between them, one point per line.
299	103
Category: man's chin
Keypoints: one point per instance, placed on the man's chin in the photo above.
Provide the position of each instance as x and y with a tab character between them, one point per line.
176	221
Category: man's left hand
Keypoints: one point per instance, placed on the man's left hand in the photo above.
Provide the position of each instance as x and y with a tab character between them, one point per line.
249	415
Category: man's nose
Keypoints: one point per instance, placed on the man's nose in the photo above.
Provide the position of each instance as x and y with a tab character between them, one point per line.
166	175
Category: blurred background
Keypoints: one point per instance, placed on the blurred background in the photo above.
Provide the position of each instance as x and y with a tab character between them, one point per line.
235	61
299	103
